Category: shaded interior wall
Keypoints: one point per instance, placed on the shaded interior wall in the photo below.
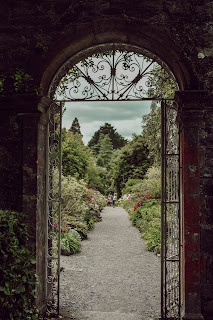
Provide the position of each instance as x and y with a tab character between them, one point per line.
22	170
206	200
10	159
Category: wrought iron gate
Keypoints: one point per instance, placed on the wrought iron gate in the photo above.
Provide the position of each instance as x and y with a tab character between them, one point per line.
53	203
116	74
170	210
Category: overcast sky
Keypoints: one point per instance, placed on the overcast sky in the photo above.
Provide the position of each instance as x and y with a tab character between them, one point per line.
124	116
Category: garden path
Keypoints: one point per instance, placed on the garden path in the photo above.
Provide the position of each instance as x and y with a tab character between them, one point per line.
114	277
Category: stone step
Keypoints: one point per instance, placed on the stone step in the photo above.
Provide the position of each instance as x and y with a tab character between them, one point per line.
100	315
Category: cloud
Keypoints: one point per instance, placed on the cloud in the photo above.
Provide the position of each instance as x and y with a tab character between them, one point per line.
124	116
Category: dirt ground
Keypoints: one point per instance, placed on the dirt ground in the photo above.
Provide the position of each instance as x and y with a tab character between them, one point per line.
114	277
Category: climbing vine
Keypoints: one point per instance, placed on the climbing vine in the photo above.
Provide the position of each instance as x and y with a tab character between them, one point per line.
18	82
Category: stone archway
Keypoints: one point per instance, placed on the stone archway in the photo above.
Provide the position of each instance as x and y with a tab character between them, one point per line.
129	32
141	36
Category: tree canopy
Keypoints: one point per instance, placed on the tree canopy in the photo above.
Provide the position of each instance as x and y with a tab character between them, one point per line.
151	132
132	162
107	129
75	127
79	162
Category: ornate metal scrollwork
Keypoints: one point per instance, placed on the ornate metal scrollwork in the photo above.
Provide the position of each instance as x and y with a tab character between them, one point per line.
113	74
171	215
53	208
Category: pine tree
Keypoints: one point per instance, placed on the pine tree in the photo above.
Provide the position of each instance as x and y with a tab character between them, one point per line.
106	150
117	140
75	127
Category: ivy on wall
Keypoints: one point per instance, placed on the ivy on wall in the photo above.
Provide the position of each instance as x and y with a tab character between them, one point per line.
18	82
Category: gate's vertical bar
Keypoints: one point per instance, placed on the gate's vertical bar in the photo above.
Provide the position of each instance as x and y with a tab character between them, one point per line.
47	206
179	215
162	207
60	202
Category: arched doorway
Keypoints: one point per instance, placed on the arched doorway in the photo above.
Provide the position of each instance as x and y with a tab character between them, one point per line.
189	99
108	63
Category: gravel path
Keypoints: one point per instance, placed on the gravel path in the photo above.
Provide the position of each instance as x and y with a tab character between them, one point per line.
114	277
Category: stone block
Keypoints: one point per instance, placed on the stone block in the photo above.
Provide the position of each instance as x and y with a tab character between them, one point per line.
207	240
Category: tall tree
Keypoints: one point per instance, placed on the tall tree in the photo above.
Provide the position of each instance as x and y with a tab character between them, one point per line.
106	150
75	127
162	84
151	132
132	162
75	155
107	129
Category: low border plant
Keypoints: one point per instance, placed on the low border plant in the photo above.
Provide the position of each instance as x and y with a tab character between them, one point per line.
70	243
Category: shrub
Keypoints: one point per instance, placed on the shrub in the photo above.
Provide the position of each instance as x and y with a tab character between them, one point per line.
70	243
90	217
147	219
69	222
129	185
17	271
151	184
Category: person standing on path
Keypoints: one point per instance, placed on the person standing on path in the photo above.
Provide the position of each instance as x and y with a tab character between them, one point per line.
110	201
114	199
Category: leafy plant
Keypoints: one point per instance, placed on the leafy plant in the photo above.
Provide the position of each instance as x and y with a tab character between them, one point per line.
17	271
18	82
151	184
90	218
147	219
70	222
70	243
23	82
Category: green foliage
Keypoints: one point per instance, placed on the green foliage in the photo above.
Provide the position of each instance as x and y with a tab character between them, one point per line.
75	127
106	150
131	163
151	132
2	81
74	155
18	82
70	222
100	161
129	185
22	81
70	243
151	184
90	217
97	176
17	271
117	140
162	83
81	208
147	219
79	162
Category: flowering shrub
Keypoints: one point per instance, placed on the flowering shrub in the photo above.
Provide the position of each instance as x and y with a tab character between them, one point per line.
145	214
147	219
80	210
140	202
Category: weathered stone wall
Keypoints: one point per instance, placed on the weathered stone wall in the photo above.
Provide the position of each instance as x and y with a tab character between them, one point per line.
206	199
38	36
31	31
